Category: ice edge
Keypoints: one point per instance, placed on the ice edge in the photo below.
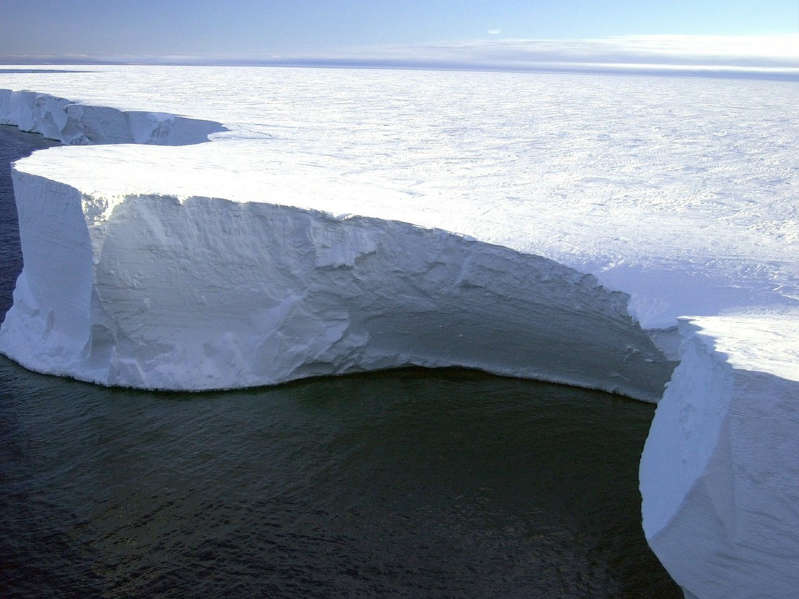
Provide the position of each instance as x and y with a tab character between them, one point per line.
634	368
81	124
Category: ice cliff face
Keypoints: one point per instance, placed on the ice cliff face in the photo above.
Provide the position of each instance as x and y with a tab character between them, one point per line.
719	473
206	293
156	291
72	123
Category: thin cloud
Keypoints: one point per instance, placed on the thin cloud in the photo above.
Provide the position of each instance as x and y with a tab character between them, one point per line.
733	51
775	56
494	31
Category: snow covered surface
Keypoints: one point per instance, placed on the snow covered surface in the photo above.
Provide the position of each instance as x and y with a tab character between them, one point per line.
679	191
337	201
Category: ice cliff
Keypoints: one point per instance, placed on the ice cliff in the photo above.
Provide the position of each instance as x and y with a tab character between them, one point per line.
719	471
249	261
74	123
206	293
158	291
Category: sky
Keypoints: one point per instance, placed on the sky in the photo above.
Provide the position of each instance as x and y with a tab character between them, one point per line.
442	30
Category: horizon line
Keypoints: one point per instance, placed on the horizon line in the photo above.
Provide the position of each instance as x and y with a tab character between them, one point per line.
718	70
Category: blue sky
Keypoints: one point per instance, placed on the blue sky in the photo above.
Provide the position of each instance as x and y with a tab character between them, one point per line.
262	29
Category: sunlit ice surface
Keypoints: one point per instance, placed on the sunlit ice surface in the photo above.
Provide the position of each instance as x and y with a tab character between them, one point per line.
646	182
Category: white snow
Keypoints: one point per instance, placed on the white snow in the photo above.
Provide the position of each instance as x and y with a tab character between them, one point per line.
323	231
578	168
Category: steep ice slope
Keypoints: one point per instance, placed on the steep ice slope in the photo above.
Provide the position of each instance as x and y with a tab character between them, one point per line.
719	474
204	293
278	293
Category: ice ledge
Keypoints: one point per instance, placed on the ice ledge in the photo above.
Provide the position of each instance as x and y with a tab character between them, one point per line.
719	473
207	293
79	124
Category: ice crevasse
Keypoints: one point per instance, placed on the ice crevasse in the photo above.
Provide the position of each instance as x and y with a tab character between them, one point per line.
153	282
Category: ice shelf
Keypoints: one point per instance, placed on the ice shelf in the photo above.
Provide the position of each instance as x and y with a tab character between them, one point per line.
530	229
719	471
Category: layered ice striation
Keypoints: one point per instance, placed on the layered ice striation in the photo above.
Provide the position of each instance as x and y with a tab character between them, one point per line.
205	293
403	218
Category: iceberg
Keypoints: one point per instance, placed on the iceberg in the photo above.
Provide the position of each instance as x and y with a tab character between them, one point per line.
240	228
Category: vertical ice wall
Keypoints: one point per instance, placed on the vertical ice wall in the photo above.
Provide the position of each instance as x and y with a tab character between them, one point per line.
719	473
74	123
204	293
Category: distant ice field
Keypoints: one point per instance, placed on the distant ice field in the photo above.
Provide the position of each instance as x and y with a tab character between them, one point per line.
643	181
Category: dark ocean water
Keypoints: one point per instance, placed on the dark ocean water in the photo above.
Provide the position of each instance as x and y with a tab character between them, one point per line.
411	483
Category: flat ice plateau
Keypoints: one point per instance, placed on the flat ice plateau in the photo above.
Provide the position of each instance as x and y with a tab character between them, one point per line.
244	226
